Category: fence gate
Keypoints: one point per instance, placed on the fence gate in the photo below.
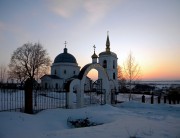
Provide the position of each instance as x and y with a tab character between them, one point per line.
95	94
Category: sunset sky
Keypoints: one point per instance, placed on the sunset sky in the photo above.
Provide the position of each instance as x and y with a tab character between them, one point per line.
150	29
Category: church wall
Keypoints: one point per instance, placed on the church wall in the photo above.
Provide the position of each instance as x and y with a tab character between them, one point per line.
57	82
49	83
111	67
45	82
65	70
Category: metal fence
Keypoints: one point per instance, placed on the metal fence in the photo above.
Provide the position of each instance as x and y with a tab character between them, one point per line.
11	99
14	99
49	99
95	97
157	99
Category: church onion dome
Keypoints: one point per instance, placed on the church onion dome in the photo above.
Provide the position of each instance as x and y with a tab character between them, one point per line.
94	56
65	58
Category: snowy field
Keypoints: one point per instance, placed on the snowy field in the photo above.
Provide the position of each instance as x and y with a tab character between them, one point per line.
125	120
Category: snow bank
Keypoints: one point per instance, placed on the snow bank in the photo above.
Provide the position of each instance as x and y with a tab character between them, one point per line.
125	120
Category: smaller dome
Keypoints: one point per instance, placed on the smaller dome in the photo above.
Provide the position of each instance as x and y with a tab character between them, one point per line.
65	58
94	55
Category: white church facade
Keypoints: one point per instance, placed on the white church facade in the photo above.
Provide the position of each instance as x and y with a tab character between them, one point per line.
67	75
63	68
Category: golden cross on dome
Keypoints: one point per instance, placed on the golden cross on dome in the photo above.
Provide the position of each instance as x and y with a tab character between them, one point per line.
65	43
94	47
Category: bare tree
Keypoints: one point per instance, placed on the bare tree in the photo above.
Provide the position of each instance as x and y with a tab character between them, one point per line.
3	74
18	73
121	78
28	61
120	74
132	71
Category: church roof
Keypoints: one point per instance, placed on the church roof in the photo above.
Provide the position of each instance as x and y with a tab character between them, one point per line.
51	76
108	53
94	55
65	58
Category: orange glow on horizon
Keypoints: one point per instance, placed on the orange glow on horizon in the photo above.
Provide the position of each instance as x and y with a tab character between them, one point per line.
160	73
147	74
161	76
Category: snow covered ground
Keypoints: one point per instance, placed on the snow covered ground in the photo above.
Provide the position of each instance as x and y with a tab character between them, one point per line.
125	120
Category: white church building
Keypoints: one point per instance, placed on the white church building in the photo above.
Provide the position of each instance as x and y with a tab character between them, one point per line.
67	75
63	68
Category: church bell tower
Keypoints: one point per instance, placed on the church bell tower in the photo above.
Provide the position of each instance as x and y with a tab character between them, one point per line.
108	60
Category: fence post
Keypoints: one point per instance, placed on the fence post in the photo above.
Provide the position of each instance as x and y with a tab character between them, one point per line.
143	99
28	96
164	99
66	94
152	99
174	100
159	99
178	99
169	98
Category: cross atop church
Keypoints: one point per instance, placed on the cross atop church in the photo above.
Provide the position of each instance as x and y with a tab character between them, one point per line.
65	43
94	47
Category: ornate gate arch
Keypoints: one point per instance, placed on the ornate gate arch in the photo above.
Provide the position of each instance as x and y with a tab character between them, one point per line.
105	79
81	81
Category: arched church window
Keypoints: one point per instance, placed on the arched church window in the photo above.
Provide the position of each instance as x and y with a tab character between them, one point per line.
114	76
74	72
113	64
55	72
64	71
104	64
